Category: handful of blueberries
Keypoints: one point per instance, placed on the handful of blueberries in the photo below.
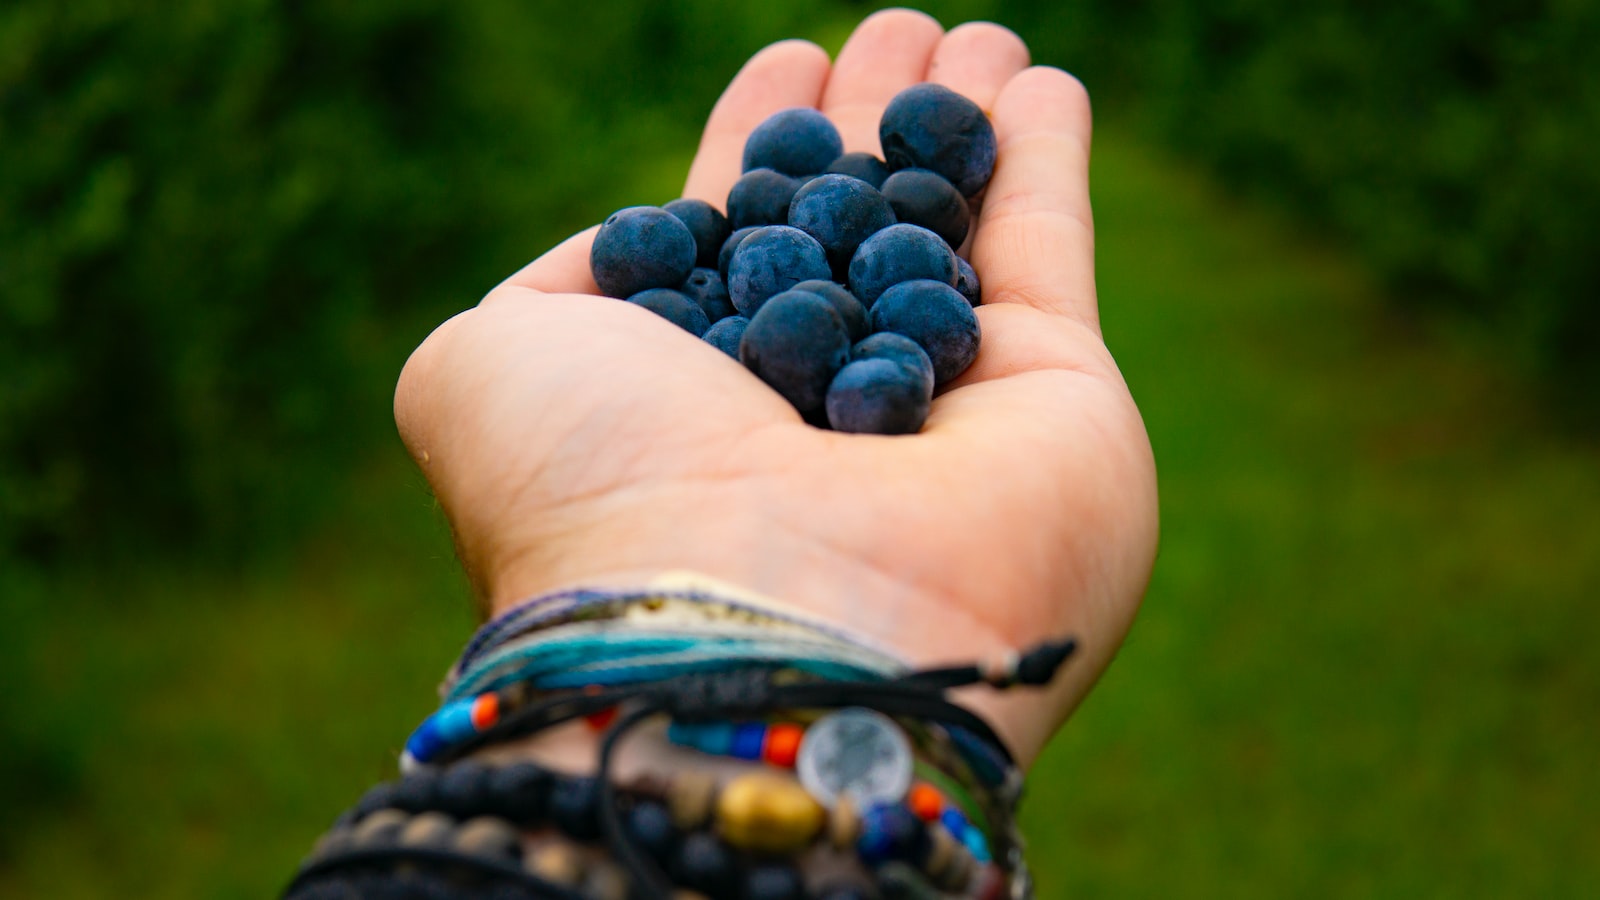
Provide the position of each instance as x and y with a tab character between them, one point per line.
832	276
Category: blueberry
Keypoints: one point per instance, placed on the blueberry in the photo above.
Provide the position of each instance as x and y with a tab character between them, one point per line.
928	126
706	287
926	198
967	282
853	311
840	212
761	197
937	317
896	348
864	166
708	225
879	396
674	306
899	253
639	248
771	260
725	255
796	343
726	334
797	141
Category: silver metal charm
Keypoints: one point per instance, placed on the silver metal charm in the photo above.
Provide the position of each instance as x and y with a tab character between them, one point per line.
858	752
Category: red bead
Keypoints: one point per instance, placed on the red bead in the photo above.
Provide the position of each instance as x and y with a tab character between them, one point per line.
782	744
926	801
485	711
602	720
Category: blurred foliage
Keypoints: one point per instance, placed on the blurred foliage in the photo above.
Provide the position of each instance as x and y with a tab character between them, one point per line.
1450	142
225	225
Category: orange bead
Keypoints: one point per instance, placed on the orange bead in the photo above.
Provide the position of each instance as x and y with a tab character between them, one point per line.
782	744
485	711
926	801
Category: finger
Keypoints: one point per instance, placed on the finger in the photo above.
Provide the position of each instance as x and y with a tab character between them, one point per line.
784	75
977	59
888	52
563	270
1035	238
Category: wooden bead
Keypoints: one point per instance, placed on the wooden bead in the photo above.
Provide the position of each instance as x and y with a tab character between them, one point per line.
844	824
605	881
941	852
430	829
489	836
690	797
557	862
332	843
379	828
768	813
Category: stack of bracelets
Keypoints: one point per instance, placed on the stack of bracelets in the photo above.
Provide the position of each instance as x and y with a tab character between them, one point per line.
838	773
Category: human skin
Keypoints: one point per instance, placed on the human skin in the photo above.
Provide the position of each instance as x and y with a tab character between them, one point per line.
575	440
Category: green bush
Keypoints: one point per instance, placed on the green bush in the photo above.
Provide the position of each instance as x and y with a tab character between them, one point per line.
1451	143
224	225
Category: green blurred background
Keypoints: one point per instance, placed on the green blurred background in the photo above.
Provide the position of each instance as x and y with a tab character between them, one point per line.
1347	266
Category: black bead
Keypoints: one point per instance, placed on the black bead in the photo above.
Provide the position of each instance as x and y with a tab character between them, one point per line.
417	792
376	798
520	793
707	865
774	882
650	825
462	790
575	807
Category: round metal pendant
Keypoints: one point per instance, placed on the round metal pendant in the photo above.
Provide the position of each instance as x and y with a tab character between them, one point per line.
857	752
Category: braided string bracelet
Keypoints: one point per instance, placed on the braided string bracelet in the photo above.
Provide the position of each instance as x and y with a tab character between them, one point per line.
455	827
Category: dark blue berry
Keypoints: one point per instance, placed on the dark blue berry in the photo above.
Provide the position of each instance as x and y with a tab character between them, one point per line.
707	865
864	166
725	255
674	306
967	282
772	260
706	287
926	198
639	248
761	197
726	334
879	396
575	806
840	212
929	126
899	253
796	343
521	792
708	225
937	317
797	141
853	311
896	348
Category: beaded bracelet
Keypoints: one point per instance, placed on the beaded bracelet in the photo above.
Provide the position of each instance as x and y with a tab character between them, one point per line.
755	686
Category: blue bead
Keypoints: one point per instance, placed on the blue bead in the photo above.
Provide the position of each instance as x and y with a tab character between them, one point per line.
890	831
715	738
454	720
426	742
747	739
954	822
975	842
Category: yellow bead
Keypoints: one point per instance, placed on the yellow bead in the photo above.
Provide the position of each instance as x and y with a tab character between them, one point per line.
556	862
768	813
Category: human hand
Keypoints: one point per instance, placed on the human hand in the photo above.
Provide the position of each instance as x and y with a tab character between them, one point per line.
575	440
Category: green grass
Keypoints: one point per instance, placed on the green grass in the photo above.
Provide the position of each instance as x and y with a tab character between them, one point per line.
1361	670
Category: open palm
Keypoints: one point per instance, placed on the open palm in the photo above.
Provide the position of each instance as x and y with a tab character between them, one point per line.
578	440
